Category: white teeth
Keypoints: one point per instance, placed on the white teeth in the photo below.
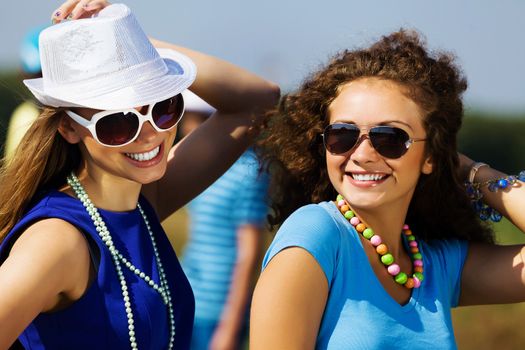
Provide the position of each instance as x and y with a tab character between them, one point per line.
367	177
143	157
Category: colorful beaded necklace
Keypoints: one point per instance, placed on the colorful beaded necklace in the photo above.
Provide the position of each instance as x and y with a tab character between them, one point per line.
386	258
119	260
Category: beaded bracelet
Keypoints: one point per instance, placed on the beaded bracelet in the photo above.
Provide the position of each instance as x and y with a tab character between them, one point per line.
474	192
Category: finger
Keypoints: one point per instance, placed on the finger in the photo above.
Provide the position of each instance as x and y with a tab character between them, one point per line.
80	9
93	7
63	11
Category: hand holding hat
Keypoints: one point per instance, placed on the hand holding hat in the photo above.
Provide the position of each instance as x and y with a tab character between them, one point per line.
76	9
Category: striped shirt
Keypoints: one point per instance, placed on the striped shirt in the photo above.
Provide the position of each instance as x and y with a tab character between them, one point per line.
238	197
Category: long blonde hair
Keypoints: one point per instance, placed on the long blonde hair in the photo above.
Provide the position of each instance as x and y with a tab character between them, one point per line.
41	161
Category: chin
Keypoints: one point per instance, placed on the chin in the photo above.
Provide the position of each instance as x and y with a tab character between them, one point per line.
148	181
150	176
364	200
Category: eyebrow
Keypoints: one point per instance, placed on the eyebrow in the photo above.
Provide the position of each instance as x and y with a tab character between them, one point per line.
386	122
396	122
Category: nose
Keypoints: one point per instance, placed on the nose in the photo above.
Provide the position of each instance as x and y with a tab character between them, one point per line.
363	151
147	133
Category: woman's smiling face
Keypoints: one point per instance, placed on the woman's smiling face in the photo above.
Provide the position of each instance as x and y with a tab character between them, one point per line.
365	178
142	161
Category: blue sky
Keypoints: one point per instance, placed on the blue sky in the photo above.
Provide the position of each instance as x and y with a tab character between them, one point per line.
284	40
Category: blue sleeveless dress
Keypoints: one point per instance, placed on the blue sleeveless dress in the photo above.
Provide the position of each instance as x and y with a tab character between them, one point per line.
98	319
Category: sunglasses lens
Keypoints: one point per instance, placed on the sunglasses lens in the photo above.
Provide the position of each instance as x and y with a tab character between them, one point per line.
389	141
117	128
340	138
167	113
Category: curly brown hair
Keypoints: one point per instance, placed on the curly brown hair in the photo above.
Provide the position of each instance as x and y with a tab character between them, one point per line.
291	146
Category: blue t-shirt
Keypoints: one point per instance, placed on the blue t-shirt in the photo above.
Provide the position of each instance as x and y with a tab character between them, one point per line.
238	197
359	313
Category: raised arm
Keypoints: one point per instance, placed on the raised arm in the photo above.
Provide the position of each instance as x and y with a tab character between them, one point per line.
228	88
508	202
241	99
495	274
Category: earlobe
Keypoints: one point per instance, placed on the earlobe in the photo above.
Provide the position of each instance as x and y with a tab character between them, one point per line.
428	166
68	132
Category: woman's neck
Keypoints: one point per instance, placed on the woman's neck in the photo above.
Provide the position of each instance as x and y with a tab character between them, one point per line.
109	192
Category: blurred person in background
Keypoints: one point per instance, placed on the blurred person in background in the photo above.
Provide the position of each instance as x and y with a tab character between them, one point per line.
25	113
84	261
225	236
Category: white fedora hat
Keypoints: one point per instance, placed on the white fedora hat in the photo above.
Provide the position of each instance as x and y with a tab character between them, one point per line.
107	62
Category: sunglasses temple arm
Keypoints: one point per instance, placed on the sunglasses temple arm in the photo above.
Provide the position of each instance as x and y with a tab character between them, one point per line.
409	142
82	121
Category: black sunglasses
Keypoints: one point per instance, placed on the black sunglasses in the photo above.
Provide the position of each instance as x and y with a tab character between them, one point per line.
388	141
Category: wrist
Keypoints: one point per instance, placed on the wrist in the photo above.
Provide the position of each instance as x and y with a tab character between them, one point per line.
474	170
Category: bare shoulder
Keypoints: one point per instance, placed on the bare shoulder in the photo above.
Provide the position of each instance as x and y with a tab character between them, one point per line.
47	269
299	263
294	287
54	251
293	279
57	238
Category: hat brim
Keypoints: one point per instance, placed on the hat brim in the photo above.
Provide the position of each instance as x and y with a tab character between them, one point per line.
181	74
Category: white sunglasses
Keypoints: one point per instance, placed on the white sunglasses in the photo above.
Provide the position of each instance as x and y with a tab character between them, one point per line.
117	128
